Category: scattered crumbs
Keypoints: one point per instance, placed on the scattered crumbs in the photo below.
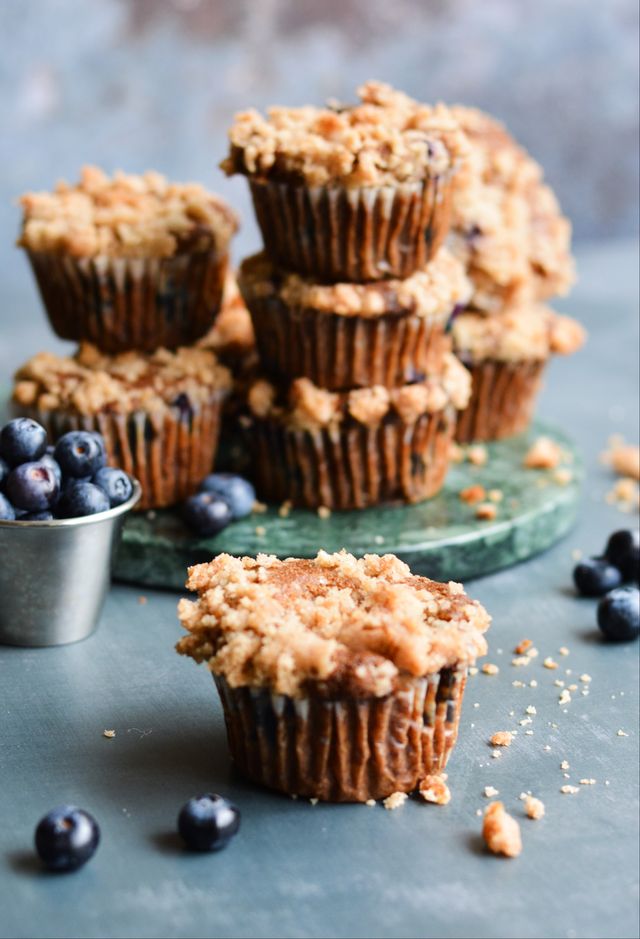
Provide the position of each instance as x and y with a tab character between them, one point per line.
394	801
559	683
518	684
533	683
587	782
573	687
259	508
523	796
563	476
525	721
501	831
530	709
623	458
456	452
285	509
565	697
495	495
496	754
490	669
478	812
576	554
544	453
533	653
370	802
490	792
607	783
478	455
569	790
142	600
486	511
379	539
260	531
585	692
501	738
520	661
434	789
566	775
625	494
529	733
511	713
549	663
563	650
546	747
473	670
565	765
621	733
314	801
534	808
472	494
476	705
523	646
151	515
568	671
109	733
585	678
324	511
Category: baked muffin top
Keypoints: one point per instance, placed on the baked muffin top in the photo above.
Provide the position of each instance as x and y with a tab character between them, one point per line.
329	625
386	139
530	331
507	226
305	406
90	382
125	216
431	293
231	337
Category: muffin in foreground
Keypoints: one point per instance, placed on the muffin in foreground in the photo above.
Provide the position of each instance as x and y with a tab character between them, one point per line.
351	450
352	193
507	354
128	262
343	336
340	679
159	414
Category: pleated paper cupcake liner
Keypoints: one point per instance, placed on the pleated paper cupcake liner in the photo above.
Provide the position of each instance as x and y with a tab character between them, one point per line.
503	398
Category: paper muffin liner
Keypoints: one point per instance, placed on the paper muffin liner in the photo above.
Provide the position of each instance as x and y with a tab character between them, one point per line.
503	397
339	352
352	466
131	303
168	454
345	749
338	234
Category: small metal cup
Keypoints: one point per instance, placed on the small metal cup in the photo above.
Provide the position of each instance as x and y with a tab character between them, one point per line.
54	575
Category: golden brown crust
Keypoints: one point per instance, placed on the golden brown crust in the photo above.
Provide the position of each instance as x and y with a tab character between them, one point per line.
386	139
329	622
90	383
125	216
431	293
519	333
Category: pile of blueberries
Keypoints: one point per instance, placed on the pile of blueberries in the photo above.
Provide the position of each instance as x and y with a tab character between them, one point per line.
221	498
67	837
619	608
39	482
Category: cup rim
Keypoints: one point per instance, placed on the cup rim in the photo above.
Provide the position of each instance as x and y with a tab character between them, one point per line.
110	514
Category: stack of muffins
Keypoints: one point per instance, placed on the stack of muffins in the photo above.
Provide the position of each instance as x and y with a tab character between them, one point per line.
133	268
358	392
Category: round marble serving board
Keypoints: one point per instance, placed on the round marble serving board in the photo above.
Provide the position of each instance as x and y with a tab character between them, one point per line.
441	538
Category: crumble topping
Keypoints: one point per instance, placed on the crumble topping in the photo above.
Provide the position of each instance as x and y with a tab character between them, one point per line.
305	406
501	831
125	216
432	292
525	332
90	383
231	337
434	789
328	623
386	139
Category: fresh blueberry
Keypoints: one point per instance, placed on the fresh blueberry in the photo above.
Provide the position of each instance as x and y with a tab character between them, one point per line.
22	441
208	823
595	576
49	461
80	497
4	471
206	513
36	517
619	614
623	551
235	490
7	511
32	487
80	454
66	838
116	483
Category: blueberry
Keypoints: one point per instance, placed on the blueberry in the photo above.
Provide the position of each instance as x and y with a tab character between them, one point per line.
208	823
115	483
80	453
623	551
206	513
80	497
4	471
32	487
36	517
235	490
619	614
66	838
49	461
7	512
22	441
595	577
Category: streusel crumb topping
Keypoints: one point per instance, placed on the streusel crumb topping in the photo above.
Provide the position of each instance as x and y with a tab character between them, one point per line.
326	623
231	337
306	407
529	331
432	292
386	139
125	216
89	382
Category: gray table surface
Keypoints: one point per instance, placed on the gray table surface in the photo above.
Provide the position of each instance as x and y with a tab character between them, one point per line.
299	870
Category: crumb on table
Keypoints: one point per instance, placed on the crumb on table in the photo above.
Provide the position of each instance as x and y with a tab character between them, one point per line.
544	453
523	646
501	831
486	511
110	734
395	800
472	494
434	789
477	455
501	738
534	807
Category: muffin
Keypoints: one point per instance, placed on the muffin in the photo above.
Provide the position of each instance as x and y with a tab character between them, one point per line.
343	336
340	679
128	262
507	354
350	193
350	450
507	226
159	414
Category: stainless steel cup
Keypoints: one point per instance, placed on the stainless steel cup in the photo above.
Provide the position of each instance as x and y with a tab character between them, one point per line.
54	576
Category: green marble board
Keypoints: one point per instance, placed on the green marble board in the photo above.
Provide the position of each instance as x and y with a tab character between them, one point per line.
441	538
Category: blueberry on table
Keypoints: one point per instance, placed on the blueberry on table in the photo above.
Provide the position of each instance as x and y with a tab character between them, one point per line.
32	487
208	822
619	614
206	514
66	838
7	512
22	441
596	576
235	490
80	497
623	551
115	483
80	453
